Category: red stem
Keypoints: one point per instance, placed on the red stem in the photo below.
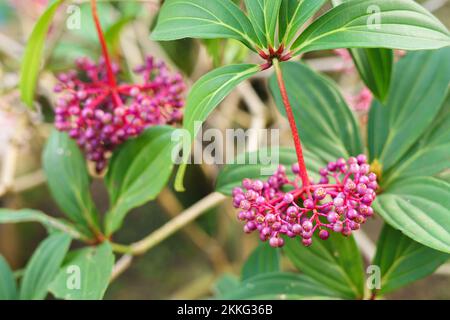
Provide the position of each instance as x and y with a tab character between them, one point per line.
101	37
293	125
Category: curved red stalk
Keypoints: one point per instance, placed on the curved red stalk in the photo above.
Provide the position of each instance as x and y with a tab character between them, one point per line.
293	125
101	37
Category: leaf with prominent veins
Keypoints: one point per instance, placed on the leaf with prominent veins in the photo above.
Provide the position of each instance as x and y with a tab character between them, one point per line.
204	19
399	24
419	79
419	207
264	16
138	171
403	260
206	95
293	15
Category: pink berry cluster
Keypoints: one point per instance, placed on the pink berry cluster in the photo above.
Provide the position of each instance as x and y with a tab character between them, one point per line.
340	202
100	114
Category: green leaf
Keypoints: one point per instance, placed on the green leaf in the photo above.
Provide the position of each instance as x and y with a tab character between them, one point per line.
31	61
326	124
137	172
392	24
225	284
215	48
85	275
224	51
8	286
29	215
377	129
430	155
375	68
403	261
335	263
279	286
419	207
293	15
419	88
69	182
264	259
43	266
204	97
204	19
263	15
261	164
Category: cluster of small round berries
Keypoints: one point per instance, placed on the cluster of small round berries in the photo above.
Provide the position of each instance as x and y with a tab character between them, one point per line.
280	206
101	115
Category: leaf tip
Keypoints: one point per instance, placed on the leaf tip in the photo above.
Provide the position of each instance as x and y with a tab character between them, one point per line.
179	184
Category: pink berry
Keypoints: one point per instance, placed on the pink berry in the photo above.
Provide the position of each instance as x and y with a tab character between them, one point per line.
288	198
332	217
361	159
299	212
307	242
309	204
297	229
320	194
307	225
324	234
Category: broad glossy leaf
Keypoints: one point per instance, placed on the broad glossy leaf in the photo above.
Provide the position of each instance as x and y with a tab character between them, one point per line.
326	124
430	155
204	19
420	208
400	24
29	215
375	68
279	286
205	96
293	15
263	15
264	259
69	182
94	266
137	172
43	266
403	261
419	88
258	164
31	61
335	263
8	286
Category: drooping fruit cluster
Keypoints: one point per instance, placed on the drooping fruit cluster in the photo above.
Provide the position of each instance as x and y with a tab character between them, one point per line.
339	202
101	115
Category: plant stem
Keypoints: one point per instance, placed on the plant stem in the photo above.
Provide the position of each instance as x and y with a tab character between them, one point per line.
171	227
101	37
293	125
121	265
177	223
